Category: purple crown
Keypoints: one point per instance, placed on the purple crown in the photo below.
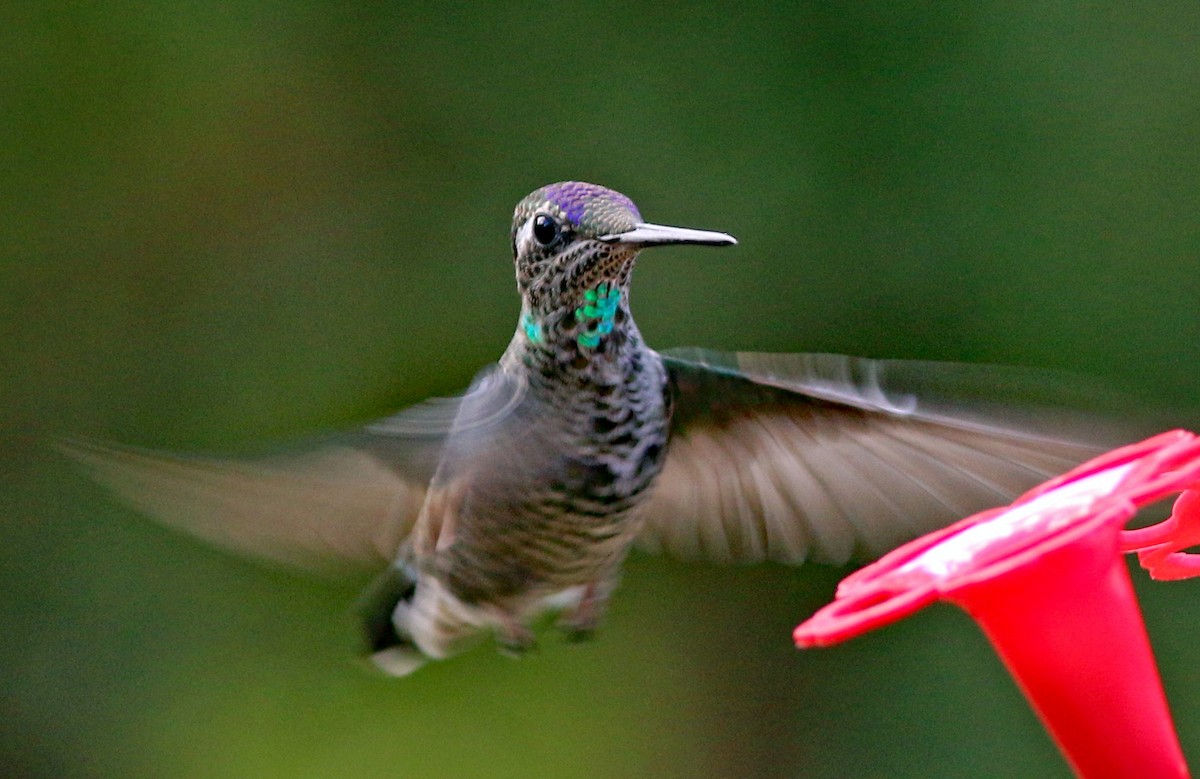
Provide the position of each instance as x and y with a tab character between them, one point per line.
582	202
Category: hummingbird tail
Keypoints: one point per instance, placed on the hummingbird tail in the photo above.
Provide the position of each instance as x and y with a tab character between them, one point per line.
406	624
389	651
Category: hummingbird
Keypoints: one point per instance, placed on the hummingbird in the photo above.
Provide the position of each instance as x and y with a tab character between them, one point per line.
477	514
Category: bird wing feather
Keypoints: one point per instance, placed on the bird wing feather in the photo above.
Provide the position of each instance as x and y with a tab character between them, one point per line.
331	511
791	457
340	504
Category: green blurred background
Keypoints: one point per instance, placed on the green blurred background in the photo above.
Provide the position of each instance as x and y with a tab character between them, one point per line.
223	224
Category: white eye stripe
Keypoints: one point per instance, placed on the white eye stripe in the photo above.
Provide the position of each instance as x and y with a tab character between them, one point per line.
525	236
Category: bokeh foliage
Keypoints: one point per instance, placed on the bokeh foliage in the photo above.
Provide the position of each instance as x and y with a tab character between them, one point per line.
228	223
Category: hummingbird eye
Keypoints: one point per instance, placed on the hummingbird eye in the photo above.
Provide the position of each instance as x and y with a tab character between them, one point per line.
545	229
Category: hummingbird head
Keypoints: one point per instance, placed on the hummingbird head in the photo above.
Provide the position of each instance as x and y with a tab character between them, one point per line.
572	241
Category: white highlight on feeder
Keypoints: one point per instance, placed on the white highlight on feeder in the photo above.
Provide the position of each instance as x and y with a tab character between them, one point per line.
1053	511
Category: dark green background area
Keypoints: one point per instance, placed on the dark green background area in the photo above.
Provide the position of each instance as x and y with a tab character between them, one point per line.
228	224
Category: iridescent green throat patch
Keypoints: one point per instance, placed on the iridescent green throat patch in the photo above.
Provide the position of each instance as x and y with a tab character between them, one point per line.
533	328
597	313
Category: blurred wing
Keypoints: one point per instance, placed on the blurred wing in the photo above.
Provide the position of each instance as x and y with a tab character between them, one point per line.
343	504
331	511
784	457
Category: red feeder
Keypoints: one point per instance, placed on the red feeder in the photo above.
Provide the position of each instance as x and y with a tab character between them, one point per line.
1159	546
1045	580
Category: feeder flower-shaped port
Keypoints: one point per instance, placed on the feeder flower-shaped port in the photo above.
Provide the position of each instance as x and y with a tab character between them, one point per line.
1159	547
1044	579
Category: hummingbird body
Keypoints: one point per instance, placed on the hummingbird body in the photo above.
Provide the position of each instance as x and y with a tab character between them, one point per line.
528	491
585	439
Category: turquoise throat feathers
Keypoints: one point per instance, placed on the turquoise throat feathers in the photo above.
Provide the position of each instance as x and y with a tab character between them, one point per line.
597	313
